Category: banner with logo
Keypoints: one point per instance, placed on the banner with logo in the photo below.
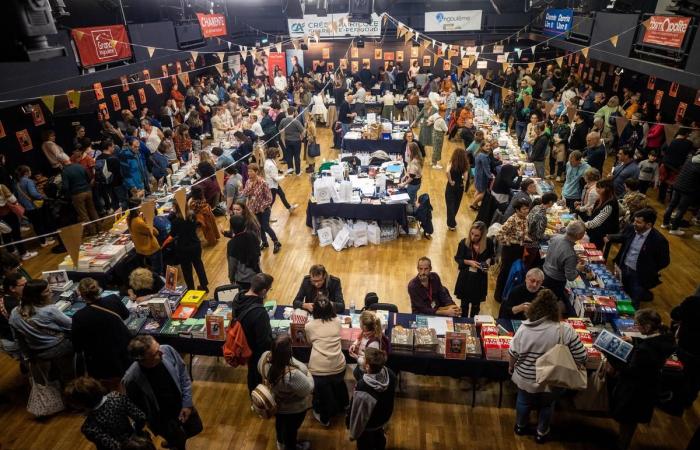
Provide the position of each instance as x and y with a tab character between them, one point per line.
212	24
558	21
101	45
453	20
668	31
276	61
312	23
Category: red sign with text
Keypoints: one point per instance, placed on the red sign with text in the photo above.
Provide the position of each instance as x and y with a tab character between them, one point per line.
212	24
101	45
668	31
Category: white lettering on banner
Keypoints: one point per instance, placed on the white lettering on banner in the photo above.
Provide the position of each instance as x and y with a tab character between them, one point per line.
312	23
103	44
214	21
453	20
668	26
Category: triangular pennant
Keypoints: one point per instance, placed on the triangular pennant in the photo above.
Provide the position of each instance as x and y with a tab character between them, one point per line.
613	40
482	83
505	55
435	58
504	66
560	61
72	237
671	130
416	36
220	68
443	47
399	29
220	178
49	101
407	37
194	56
228	44
531	66
532	49
73	98
151	51
220	55
278	47
476	56
433	43
183	78
527	99
425	44
295	44
481	49
621	122
584	51
148	209
79	34
180	197
518	51
113	43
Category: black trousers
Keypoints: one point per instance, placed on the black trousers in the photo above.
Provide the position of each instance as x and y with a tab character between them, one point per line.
372	440
287	426
330	395
453	198
177	433
192	258
278	191
509	254
265	228
39	218
475	304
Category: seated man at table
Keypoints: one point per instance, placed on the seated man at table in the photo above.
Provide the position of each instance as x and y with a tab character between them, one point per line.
428	295
319	281
518	301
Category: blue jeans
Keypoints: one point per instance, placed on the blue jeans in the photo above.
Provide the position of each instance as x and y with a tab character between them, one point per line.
541	401
520	128
346	128
412	190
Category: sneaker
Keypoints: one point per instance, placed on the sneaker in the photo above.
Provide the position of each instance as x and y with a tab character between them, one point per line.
273	220
276	247
25	229
437	166
317	416
47	242
29	255
676	232
452	228
520	431
263	246
293	206
664	225
289	171
541	438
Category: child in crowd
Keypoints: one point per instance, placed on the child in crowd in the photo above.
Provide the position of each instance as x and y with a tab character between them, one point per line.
371	337
372	403
648	173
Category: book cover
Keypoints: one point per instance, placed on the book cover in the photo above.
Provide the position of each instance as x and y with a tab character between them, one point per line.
215	327
171	278
613	345
160	309
193	298
455	345
184	312
298	333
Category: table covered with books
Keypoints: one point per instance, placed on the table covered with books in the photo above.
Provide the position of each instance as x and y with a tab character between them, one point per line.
373	133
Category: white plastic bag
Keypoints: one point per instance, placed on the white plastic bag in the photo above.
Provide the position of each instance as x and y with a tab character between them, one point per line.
374	234
323	190
341	240
359	234
325	236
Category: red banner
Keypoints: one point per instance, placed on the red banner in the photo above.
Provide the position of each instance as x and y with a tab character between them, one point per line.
668	31
100	45
276	61
212	24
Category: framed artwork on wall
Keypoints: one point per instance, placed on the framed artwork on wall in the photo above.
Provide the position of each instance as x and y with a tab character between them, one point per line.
399	55
326	53
426	61
388	56
354	53
377	53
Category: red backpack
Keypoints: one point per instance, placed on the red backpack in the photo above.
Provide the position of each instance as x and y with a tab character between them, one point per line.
237	352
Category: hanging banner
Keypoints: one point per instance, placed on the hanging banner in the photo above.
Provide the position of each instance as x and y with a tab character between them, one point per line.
467	20
558	21
132	103
276	61
102	107
667	31
101	45
25	141
116	103
312	23
99	92
2	131
37	115
212	24
142	95
680	112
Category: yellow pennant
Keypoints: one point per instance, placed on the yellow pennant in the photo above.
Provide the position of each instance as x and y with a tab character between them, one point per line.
74	98
407	37
114	43
194	56
613	40
435	58
72	237
220	55
560	61
79	34
584	51
531	66
49	101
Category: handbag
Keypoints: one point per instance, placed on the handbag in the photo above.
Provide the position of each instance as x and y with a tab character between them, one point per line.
314	150
44	399
557	368
595	396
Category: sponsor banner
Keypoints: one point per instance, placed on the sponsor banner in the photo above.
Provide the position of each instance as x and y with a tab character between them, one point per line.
212	24
311	23
101	45
557	21
453	20
668	31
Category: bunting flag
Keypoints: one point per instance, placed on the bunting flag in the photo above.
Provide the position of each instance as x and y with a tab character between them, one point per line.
399	29
184	78
218	41
505	66
220	178
482	83
532	49
527	99
531	66
407	37
73	99
113	43
384	19
148	209
560	61
425	44
613	40
151	51
229	45
278	47
671	130
49	101
79	34
194	56
72	237
416	35
435	58
433	43
443	47
584	51
621	122
180	197
505	55
518	51
220	55
220	68
295	44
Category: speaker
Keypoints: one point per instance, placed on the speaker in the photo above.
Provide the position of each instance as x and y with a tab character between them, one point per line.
360	11
33	21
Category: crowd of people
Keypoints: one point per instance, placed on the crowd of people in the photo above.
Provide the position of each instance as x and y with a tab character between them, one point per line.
134	382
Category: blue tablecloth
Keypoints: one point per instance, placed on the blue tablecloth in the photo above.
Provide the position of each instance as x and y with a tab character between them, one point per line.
358	211
390	146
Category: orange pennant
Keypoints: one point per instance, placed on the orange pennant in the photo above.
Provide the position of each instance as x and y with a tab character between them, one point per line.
72	237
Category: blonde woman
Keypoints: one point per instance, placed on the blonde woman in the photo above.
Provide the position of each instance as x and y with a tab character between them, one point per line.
144	284
309	140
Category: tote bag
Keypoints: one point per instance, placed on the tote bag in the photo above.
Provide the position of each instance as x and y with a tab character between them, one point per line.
557	368
44	399
595	396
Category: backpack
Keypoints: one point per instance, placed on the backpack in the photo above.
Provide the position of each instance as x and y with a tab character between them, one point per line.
263	401
516	276
102	172
236	350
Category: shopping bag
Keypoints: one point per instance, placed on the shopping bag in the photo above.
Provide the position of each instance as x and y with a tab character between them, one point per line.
557	368
44	399
341	240
374	233
314	150
325	236
595	396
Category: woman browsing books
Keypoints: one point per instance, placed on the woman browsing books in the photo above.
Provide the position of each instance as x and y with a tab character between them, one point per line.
473	258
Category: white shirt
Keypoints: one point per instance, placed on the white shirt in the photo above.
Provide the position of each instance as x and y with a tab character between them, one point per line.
256	128
272	176
388	99
153	140
280	83
360	95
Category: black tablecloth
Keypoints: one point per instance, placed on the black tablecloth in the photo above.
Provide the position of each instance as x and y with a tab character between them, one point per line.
116	275
359	211
391	146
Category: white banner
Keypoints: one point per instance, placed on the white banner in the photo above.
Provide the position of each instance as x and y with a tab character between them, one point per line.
453	20
312	23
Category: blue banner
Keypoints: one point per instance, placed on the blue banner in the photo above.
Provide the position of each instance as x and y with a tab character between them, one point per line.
558	21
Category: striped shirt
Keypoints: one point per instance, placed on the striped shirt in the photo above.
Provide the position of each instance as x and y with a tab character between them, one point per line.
534	339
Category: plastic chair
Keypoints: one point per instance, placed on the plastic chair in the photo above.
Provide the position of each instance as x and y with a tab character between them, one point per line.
384	307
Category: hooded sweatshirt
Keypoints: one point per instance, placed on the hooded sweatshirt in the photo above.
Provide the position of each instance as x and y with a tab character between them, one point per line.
255	323
372	403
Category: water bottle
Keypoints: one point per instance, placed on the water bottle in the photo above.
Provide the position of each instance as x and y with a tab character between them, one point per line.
352	306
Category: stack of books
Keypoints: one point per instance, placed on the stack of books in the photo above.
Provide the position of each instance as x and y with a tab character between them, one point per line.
279	327
401	339
425	340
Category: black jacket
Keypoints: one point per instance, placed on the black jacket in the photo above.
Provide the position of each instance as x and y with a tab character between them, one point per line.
595	157
256	323
539	148
103	337
688	180
688	315
577	141
517	297
332	289
653	257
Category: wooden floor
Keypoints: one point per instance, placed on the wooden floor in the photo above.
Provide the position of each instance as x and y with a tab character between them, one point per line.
430	413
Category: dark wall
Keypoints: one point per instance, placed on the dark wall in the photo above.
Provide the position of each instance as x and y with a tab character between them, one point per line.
606	25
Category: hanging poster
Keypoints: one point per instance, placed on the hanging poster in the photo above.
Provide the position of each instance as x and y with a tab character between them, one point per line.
497	49
99	93
570	59
132	103
601	82
125	83
146	74
354	66
463	20
142	95
399	55
37	115
680	112
412	61
212	24
657	99
668	31
377	53
426	61
482	64
164	69
314	65
354	52
276	62
673	90
71	100
295	58
326	53
101	45
2	130
651	82
25	141
102	107
501	58
344	64
178	67
578	57
446	65
414	52
365	61
330	66
173	80
465	63
388	56
116	103
558	21
157	86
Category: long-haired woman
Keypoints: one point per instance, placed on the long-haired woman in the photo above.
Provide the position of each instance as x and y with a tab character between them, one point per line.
188	247
457	170
474	255
605	215
414	173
